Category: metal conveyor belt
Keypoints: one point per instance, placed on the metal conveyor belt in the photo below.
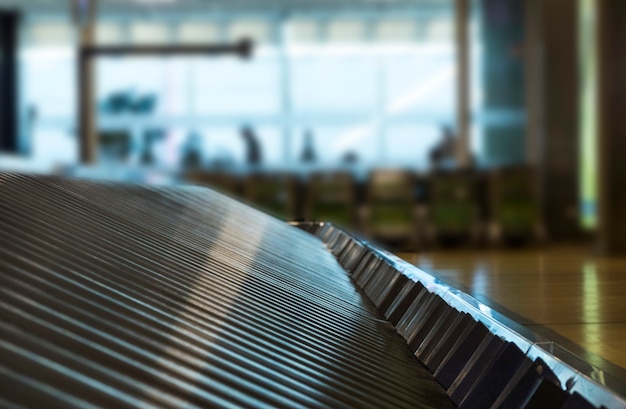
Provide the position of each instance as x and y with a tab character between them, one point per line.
127	296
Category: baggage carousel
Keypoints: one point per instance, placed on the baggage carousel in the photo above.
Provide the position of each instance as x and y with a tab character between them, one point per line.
120	295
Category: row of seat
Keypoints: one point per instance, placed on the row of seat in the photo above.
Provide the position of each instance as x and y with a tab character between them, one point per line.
398	207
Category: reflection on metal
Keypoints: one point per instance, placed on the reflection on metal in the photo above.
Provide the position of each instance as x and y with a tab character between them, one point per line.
482	358
118	295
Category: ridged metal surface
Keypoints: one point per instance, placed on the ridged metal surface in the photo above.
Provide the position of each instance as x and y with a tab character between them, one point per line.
485	359
117	295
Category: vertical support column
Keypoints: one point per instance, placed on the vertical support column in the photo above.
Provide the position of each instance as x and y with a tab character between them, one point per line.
588	119
560	147
87	126
8	82
285	87
504	81
534	80
612	140
533	27
463	110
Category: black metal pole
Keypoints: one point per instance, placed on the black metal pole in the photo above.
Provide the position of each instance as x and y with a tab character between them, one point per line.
8	82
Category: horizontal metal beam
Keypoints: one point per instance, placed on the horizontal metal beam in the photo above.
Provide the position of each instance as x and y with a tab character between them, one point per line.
242	48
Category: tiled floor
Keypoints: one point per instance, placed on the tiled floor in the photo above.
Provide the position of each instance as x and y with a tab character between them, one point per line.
564	293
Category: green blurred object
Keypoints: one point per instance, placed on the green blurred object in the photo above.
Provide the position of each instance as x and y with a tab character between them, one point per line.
272	193
331	198
453	217
515	210
390	209
453	206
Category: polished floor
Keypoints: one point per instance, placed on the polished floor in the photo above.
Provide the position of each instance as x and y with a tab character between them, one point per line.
567	294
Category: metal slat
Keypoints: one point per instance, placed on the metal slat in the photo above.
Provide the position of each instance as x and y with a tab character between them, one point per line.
121	295
479	355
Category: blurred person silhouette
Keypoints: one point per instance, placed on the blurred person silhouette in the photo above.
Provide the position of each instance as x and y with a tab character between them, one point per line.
308	152
32	114
443	154
350	158
150	138
253	148
192	151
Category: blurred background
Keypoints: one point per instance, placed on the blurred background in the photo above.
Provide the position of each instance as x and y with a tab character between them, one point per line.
414	122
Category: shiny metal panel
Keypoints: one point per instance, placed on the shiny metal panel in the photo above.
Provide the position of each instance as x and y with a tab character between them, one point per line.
127	296
405	311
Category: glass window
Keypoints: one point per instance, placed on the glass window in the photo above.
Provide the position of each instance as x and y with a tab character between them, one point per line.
335	144
258	31
345	31
110	33
333	80
396	31
440	29
52	99
142	85
198	33
48	103
379	102
226	147
222	146
421	81
150	33
51	34
302	31
232	86
410	145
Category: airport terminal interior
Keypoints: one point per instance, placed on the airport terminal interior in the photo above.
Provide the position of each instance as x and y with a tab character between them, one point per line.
478	142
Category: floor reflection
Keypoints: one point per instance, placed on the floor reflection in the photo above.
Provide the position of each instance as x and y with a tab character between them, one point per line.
566	290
